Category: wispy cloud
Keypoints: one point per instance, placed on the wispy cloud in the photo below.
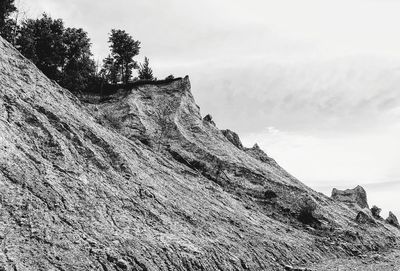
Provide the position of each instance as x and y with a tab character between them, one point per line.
352	94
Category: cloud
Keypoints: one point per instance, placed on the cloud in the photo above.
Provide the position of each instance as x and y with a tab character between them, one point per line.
324	27
352	94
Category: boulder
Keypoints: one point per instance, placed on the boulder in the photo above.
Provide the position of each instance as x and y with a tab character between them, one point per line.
352	197
392	219
307	205
233	138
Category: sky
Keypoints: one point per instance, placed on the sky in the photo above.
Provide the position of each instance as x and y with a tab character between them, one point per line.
315	83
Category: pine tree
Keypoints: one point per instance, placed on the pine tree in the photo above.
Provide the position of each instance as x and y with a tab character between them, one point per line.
145	72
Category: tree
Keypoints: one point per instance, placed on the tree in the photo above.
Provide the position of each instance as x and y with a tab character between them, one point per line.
62	54
41	41
9	30
6	8
145	72
78	67
123	49
8	26
109	72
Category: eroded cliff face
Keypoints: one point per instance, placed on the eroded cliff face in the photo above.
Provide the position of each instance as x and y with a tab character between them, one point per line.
139	181
356	197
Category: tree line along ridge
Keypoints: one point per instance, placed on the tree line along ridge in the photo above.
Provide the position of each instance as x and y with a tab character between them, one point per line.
64	53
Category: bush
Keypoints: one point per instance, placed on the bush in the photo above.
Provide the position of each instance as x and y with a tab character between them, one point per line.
95	84
170	77
307	210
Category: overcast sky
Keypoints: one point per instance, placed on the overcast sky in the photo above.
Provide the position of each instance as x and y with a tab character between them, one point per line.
315	83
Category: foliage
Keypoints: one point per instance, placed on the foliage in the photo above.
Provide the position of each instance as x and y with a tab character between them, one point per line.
41	41
6	8
8	26
170	77
63	54
145	72
9	30
109	72
119	65
78	66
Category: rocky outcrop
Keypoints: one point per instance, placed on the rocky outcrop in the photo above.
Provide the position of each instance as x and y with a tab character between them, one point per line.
257	153
307	207
364	216
138	181
376	212
392	220
208	118
356	197
233	138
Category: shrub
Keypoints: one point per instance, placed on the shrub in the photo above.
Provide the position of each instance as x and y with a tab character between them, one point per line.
307	208
170	77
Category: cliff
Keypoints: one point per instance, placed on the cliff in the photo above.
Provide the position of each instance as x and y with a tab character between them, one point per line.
139	181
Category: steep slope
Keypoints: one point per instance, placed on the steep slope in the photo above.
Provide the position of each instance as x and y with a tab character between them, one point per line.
140	181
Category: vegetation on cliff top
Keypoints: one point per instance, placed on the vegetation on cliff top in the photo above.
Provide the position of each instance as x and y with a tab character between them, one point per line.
64	53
